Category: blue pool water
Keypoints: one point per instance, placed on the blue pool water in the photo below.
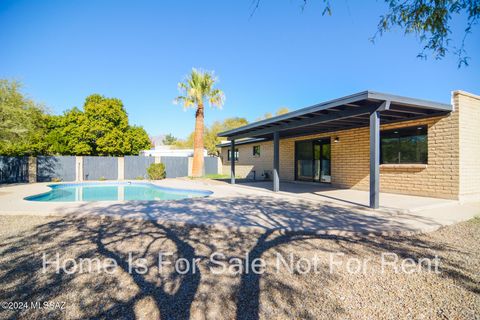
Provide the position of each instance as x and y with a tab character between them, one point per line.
113	191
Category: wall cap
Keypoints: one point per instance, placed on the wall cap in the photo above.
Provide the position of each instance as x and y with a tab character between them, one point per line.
465	93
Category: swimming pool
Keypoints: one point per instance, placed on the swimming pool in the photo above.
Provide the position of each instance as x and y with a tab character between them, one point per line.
114	191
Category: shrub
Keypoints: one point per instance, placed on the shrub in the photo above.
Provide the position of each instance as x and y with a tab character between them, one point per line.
139	178
156	171
102	178
56	179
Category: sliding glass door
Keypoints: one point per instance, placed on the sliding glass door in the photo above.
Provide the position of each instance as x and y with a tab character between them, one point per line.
312	160
303	160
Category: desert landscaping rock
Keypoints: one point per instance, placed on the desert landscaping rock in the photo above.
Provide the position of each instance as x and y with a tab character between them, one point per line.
453	293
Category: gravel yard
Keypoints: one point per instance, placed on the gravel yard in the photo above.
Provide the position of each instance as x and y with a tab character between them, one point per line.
335	288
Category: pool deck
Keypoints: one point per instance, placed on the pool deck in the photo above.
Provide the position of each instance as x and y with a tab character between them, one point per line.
253	207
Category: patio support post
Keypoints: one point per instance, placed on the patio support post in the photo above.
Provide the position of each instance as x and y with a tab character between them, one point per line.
374	159
276	161
232	162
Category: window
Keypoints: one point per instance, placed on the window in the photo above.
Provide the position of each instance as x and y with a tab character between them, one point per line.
229	153
256	151
404	146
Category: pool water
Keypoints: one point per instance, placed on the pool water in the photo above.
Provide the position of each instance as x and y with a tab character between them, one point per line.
116	191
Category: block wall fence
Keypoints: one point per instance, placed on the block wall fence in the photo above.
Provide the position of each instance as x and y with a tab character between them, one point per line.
88	168
452	172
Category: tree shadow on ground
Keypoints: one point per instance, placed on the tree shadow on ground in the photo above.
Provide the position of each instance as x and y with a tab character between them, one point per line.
77	239
139	229
260	213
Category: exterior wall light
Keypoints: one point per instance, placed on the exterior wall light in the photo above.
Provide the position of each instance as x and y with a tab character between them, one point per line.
337	139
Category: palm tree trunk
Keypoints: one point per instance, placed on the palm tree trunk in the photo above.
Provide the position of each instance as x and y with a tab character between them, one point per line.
197	169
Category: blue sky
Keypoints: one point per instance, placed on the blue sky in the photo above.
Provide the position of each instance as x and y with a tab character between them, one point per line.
138	51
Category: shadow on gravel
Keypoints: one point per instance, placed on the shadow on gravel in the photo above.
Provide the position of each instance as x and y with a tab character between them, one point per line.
197	293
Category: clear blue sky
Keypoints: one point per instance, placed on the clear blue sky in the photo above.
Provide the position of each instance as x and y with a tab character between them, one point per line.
138	51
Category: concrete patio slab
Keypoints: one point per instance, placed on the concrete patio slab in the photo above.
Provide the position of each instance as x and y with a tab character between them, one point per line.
390	202
251	208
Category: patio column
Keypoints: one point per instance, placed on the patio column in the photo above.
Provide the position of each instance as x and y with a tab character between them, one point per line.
374	159
232	162
276	161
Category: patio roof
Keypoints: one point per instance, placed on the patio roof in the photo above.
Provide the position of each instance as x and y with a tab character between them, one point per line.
348	112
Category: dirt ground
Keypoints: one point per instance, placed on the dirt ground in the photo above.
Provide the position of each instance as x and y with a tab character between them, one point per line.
431	276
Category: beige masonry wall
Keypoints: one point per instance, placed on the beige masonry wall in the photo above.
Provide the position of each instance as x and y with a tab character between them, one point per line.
350	161
452	172
469	143
247	163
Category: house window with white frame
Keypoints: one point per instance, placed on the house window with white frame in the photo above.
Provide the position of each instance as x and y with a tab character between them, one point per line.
229	154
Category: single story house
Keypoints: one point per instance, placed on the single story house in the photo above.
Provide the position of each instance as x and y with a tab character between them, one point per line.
370	141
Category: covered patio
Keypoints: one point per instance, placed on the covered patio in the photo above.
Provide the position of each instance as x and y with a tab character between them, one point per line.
364	109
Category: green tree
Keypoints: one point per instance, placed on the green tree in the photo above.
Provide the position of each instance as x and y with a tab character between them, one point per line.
211	139
282	110
430	21
169	140
185	143
100	129
22	121
70	134
108	122
198	88
268	115
211	133
138	140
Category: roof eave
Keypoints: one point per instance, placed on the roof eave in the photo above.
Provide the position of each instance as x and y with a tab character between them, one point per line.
425	104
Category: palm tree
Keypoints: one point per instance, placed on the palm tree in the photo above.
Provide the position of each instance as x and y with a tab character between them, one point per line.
198	88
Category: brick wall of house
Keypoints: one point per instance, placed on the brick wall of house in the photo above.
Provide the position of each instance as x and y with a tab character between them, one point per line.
469	137
350	164
247	163
453	168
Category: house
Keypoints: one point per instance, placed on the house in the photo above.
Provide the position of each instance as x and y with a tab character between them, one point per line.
162	150
168	151
369	141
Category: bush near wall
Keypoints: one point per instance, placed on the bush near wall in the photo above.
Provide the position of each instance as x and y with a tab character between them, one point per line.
156	171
